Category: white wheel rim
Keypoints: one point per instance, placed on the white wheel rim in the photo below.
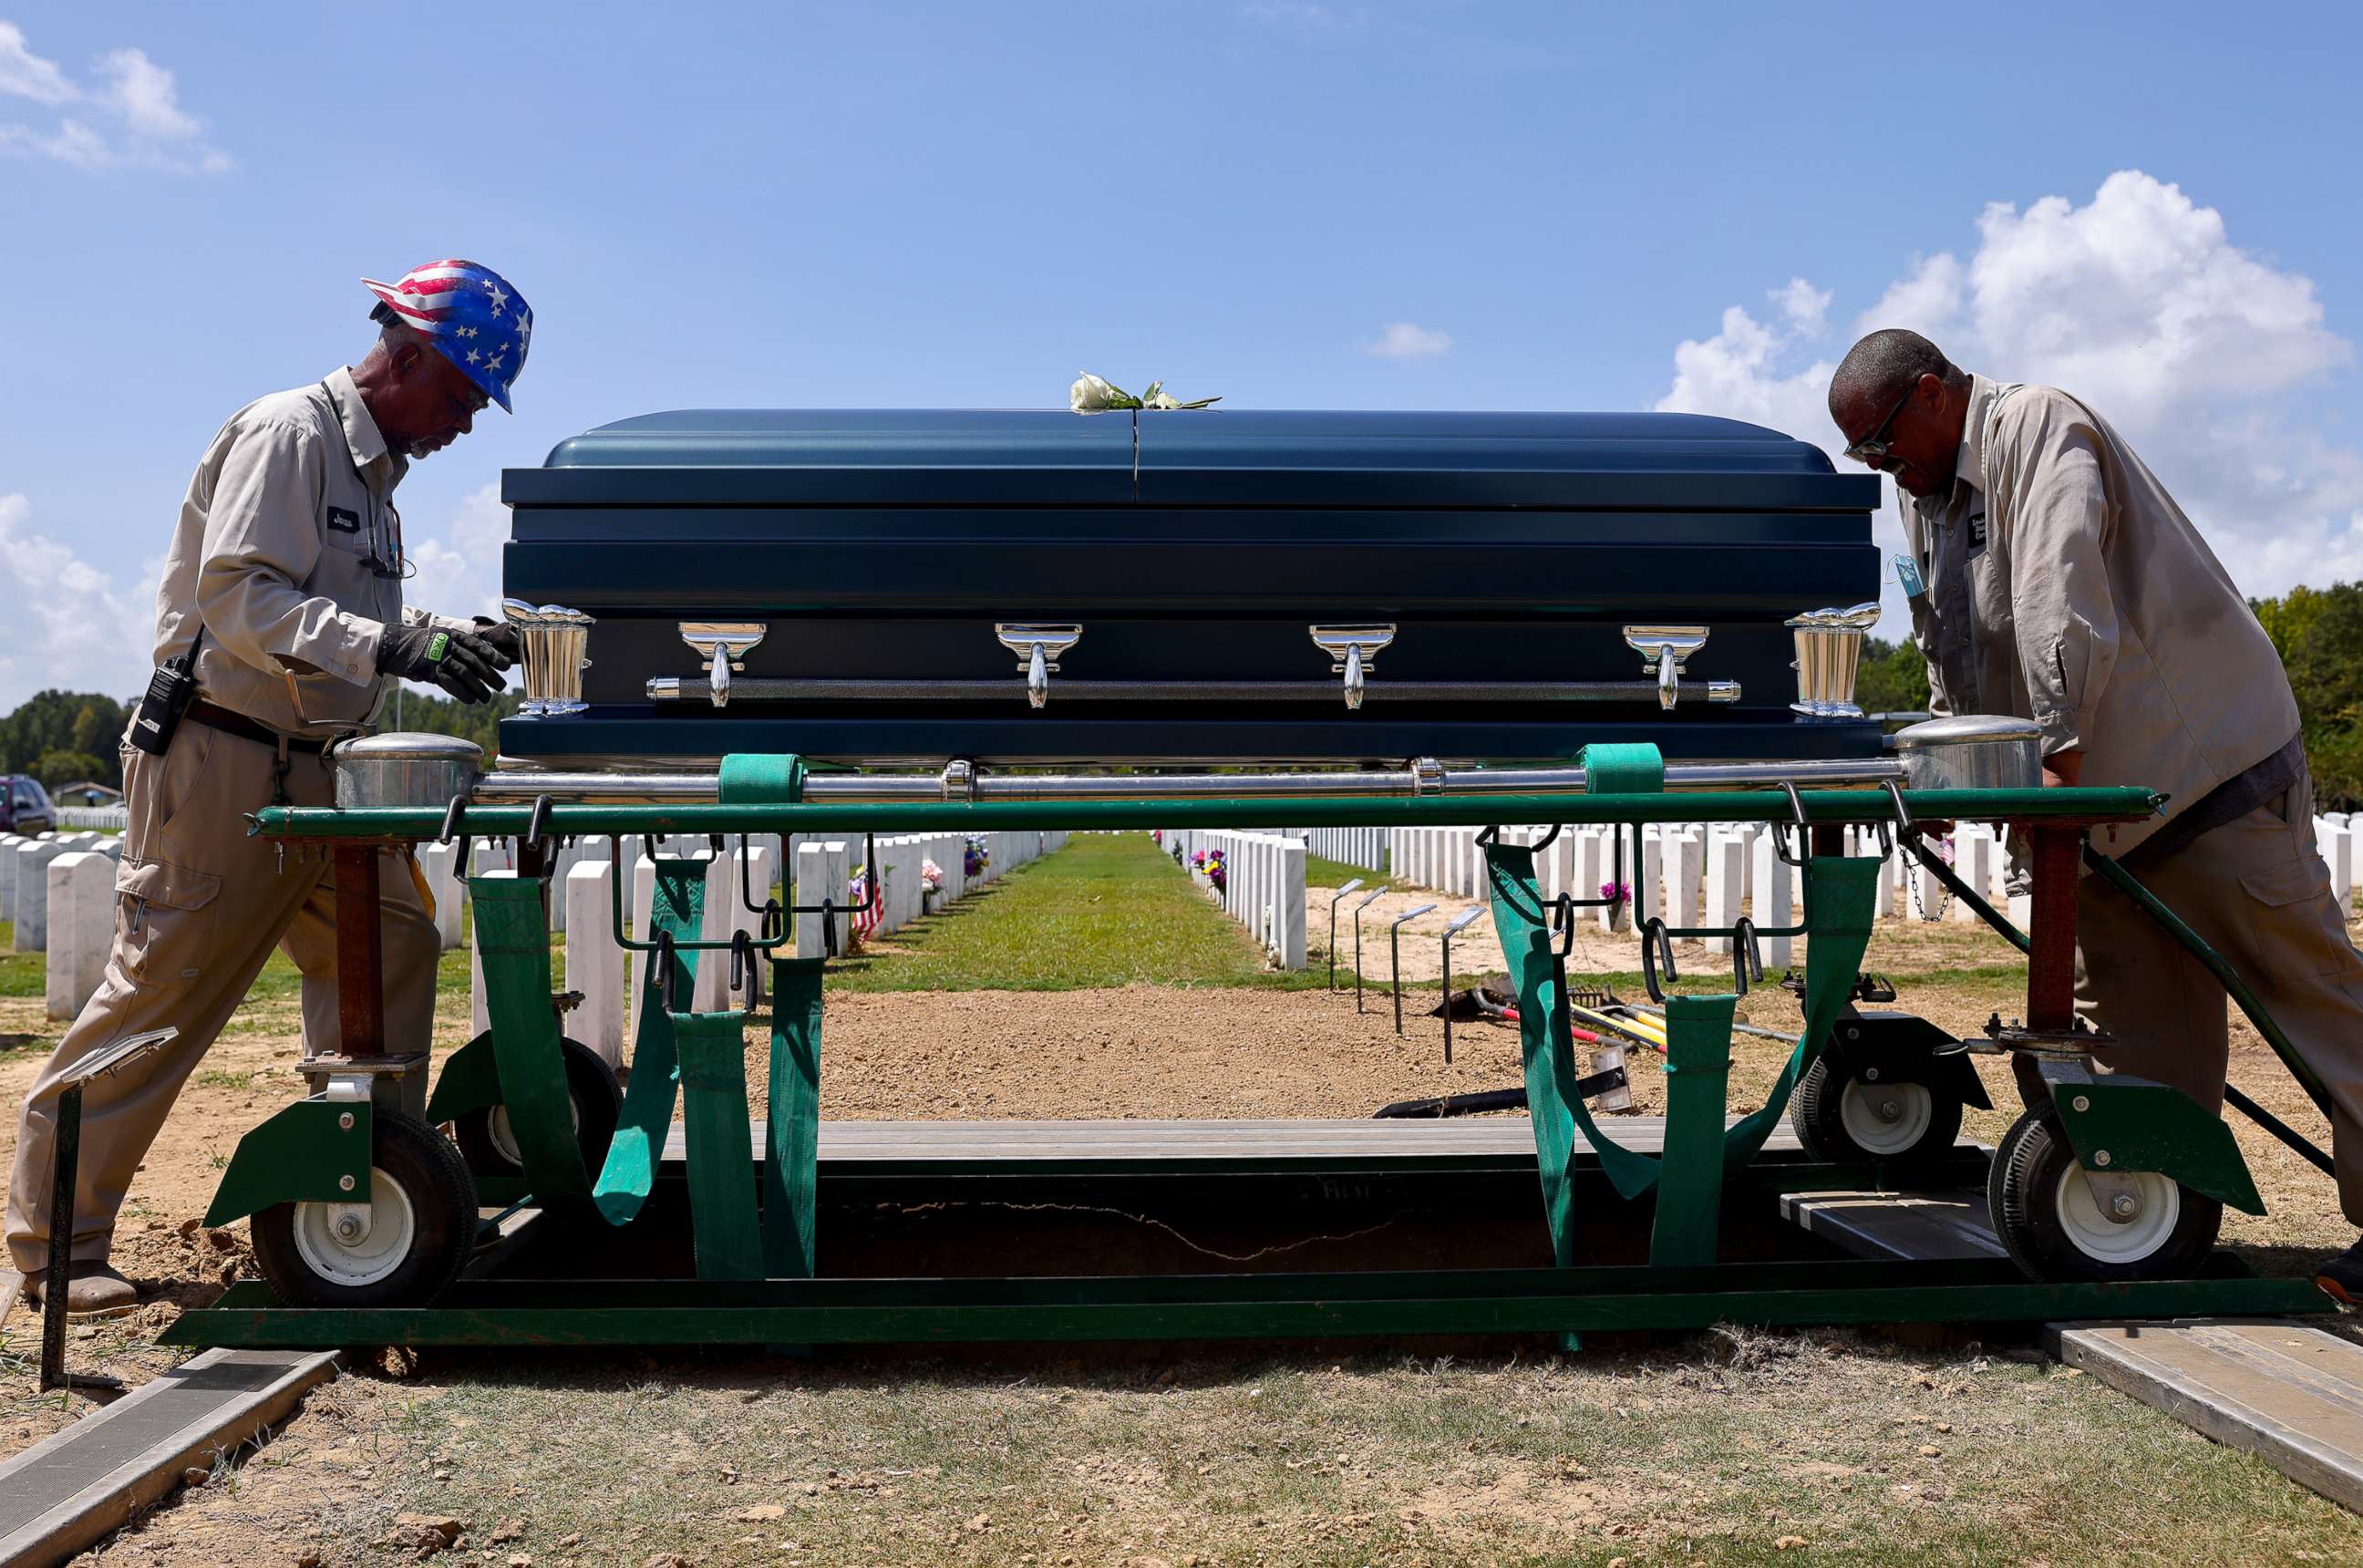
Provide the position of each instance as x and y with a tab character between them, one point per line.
2108	1240
1886	1118
503	1136
392	1229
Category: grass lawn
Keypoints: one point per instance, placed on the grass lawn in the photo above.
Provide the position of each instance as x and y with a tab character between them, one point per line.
1320	870
1106	910
1726	1448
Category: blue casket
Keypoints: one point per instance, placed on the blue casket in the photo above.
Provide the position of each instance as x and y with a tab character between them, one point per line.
909	586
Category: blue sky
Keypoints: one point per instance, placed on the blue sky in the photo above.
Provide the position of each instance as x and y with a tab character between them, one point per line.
1533	206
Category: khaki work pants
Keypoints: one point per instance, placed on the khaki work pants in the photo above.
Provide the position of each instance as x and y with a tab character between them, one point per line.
199	906
2256	890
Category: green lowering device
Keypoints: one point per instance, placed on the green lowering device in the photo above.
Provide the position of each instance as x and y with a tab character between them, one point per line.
2108	1203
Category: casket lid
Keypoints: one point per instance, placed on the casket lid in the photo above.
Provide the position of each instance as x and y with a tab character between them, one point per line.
969	456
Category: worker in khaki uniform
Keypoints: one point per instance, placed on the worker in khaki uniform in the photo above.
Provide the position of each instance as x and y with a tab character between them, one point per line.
2064	585
282	596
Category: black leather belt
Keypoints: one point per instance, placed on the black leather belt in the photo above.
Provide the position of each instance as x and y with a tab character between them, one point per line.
213	716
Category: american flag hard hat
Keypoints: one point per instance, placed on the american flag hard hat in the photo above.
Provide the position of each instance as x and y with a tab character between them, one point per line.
470	314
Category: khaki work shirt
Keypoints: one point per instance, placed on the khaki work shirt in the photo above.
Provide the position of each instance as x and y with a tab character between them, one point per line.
287	552
2066	586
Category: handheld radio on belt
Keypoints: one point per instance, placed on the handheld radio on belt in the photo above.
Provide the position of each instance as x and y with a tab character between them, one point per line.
170	691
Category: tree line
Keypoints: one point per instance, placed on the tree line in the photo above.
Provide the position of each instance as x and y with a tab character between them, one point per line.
64	738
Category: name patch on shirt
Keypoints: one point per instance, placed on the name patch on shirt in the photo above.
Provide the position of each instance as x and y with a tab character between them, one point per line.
350	522
1977	532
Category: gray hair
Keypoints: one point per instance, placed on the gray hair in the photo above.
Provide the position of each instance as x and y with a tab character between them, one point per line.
1877	371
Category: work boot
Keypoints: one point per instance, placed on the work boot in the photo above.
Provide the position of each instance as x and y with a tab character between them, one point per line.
2341	1278
96	1290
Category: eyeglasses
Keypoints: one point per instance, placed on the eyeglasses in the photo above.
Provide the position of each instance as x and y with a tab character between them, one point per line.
1873	449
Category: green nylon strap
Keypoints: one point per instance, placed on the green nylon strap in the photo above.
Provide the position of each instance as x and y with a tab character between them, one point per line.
1621	768
513	944
792	1152
677	908
721	1148
1690	1171
762	778
1562	1122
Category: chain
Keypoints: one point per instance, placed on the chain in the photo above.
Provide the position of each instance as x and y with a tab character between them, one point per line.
1912	879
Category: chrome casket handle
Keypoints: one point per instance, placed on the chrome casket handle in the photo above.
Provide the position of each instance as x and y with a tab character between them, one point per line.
724	644
1037	648
1353	649
1664	650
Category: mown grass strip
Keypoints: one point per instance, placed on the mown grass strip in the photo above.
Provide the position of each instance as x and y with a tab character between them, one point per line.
1109	910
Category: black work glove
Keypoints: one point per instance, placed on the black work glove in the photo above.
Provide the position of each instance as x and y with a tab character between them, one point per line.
503	637
462	663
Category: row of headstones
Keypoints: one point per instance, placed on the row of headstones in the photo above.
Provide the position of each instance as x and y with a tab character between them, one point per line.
741	875
1364	847
1263	883
59	890
1702	875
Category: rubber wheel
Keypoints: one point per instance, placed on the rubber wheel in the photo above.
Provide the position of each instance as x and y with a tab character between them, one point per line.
1894	1119
2053	1226
593	1091
422	1228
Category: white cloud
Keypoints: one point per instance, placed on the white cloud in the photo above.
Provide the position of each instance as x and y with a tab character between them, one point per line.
24	74
2138	302
149	130
142	91
69	624
459	575
1807	307
1409	340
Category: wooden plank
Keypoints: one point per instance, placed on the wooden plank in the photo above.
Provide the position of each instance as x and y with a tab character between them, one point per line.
1912	1226
2291	1394
75	1485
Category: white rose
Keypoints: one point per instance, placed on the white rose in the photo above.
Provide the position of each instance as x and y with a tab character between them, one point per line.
1090	394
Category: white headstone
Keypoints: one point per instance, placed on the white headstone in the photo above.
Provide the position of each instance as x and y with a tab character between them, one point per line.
440	862
812	876
1973	846
1683	868
2337	845
1773	903
1727	881
595	964
32	910
80	906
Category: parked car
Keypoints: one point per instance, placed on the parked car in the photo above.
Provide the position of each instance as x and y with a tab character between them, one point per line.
25	805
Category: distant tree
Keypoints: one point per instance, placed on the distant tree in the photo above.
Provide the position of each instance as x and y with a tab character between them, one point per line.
2319	633
85	723
1893	678
423	715
55	768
